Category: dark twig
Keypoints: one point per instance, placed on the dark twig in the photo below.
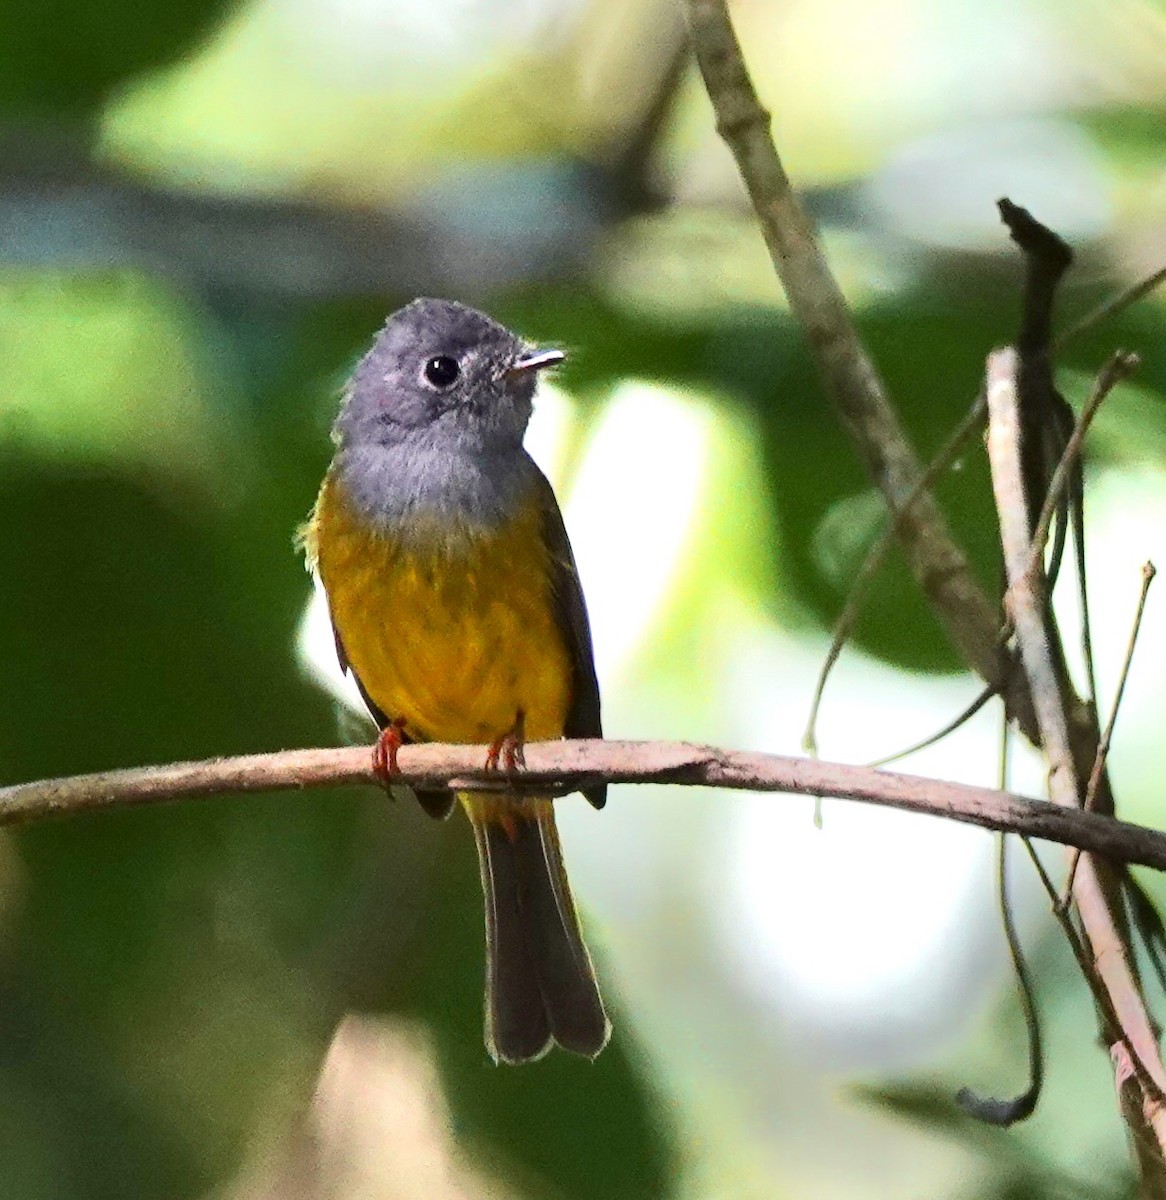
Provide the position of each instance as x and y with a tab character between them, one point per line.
1046	420
1007	1112
985	694
1120	366
991	1110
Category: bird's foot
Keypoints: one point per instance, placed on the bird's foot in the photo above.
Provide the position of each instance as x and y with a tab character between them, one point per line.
506	752
384	753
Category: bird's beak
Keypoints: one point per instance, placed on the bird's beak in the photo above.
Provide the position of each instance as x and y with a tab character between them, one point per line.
536	360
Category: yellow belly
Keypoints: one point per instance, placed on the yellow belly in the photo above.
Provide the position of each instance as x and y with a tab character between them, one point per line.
453	638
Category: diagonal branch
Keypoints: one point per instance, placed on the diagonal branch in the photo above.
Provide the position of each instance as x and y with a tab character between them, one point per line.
969	617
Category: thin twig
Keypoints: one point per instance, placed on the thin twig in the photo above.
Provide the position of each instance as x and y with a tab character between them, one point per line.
1111	307
1148	573
1120	366
877	555
985	694
991	1109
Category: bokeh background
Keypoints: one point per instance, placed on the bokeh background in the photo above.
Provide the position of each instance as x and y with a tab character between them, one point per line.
206	210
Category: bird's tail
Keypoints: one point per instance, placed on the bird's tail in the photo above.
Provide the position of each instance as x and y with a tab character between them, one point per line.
540	984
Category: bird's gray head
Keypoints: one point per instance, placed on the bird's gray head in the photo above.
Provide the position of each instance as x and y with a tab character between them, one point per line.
442	371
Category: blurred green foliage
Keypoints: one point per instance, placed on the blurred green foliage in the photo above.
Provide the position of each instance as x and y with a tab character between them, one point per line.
64	57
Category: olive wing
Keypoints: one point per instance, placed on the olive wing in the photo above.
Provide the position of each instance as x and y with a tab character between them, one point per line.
583	714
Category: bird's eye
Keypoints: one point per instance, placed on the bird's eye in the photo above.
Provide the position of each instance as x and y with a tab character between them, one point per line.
442	371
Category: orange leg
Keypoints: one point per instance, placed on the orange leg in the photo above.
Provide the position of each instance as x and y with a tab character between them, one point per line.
508	747
384	753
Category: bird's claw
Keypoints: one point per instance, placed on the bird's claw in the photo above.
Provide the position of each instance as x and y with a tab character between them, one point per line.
384	753
508	750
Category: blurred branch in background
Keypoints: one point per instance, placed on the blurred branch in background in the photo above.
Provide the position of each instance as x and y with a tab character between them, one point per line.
568	766
59	208
62	207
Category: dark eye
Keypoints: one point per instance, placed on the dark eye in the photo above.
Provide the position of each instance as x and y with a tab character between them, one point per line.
442	371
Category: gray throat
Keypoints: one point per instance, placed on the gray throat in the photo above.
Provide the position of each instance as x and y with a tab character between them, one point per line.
411	487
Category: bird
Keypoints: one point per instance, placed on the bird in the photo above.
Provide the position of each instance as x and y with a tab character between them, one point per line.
457	608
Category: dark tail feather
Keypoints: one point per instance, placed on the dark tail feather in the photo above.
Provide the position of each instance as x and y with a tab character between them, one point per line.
540	985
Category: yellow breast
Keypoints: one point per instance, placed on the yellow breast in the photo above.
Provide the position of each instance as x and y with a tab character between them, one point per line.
454	637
